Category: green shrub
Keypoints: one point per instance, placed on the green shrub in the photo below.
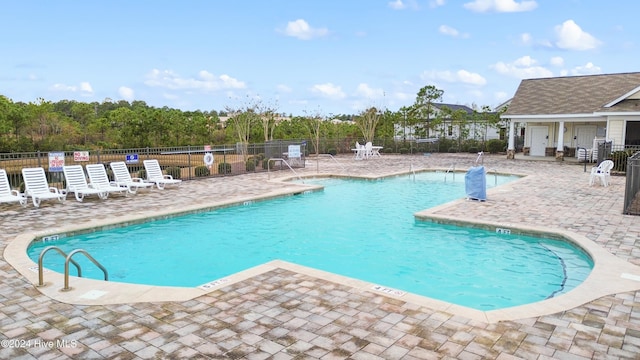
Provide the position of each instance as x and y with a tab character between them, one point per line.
174	171
452	150
495	146
224	168
473	150
268	164
202	171
142	174
259	157
332	151
250	164
403	150
620	160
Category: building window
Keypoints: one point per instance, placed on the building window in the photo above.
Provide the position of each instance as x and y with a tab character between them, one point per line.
632	136
503	133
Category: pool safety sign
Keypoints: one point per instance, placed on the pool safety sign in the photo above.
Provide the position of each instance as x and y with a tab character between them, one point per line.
56	161
80	156
294	151
131	158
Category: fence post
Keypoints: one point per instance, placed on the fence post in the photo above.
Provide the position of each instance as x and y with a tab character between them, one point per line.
98	151
189	160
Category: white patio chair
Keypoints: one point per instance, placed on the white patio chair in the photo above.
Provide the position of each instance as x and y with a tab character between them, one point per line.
359	152
77	183
155	175
123	178
99	179
368	150
602	172
37	187
7	195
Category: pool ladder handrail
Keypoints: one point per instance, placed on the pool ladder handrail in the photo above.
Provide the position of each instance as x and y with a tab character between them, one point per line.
66	267
286	163
451	169
332	158
41	259
495	176
68	259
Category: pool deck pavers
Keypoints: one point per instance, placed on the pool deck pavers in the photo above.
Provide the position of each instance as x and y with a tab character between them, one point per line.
283	313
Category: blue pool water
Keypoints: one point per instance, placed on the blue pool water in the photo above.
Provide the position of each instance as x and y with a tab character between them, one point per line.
363	229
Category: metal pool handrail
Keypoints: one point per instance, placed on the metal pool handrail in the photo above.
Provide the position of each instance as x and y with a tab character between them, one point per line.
286	163
41	258
66	267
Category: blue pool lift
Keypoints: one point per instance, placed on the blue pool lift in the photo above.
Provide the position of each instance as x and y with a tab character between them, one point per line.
475	181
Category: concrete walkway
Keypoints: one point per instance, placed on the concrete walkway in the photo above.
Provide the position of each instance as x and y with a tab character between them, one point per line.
284	313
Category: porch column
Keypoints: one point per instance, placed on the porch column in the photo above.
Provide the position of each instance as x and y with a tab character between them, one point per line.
560	148
511	147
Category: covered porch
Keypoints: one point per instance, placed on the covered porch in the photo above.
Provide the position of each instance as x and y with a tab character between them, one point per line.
558	139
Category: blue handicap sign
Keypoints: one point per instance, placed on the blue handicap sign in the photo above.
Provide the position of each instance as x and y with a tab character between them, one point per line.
132	159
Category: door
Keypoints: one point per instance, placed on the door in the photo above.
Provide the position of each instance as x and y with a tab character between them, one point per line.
539	140
585	135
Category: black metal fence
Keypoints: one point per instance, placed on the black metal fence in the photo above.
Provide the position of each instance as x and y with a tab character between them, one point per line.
619	154
631	196
186	162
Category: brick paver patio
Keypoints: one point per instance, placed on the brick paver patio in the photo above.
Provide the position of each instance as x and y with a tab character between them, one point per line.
284	314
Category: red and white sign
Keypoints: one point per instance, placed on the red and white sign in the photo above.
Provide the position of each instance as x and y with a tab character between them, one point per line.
80	156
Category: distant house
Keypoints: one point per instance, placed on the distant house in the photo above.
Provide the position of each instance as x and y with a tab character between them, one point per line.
445	127
564	113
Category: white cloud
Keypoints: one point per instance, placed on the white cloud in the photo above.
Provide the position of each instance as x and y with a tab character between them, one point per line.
300	29
84	88
328	90
501	5
365	90
460	76
557	61
126	93
523	68
283	88
63	87
405	4
501	96
572	37
436	3
448	30
526	38
397	4
205	81
588	69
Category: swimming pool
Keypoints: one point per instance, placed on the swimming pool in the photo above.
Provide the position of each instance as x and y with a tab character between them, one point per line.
363	229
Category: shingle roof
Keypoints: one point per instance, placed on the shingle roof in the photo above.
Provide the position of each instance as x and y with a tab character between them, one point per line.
572	94
454	107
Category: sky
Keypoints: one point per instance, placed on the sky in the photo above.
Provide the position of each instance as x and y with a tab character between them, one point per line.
325	57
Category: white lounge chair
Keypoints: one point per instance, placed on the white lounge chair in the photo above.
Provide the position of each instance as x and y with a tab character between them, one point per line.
99	179
123	178
155	175
77	183
602	172
7	195
37	187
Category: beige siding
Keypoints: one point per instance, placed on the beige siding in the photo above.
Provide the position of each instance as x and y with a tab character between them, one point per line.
615	131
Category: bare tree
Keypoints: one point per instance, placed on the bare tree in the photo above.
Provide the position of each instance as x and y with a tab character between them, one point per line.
242	119
367	122
313	123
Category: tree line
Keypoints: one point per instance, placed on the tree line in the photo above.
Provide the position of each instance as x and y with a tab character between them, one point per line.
71	125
